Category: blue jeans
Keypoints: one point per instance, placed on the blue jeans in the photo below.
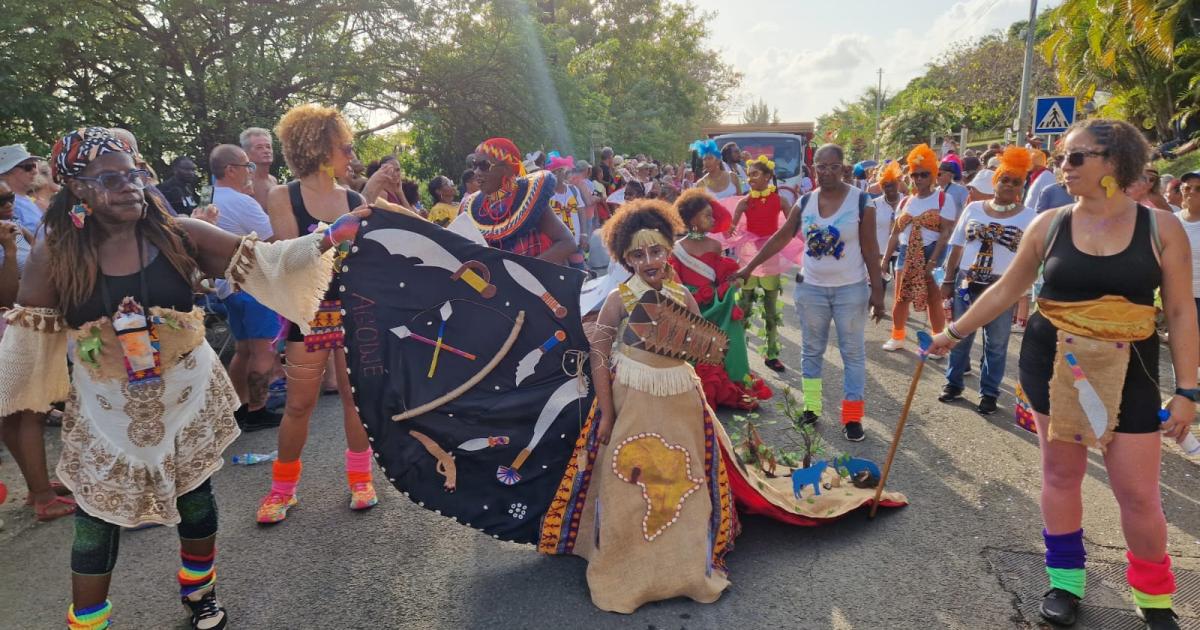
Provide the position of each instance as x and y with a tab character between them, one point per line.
995	349
846	307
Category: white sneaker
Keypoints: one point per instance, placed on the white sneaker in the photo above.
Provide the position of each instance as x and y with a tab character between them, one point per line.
892	345
935	357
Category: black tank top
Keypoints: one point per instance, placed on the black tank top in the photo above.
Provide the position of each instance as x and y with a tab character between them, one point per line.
164	288
307	224
1073	276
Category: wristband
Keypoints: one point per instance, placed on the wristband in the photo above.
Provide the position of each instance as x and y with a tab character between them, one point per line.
345	228
953	334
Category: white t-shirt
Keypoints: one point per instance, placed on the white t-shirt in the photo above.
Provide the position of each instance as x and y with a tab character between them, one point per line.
885	213
567	205
917	206
975	227
1193	233
832	252
240	213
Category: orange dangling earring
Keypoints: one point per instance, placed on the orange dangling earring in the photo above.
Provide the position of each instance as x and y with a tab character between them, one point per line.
1110	185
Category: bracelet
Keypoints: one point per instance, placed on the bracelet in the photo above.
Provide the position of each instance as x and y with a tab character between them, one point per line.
345	228
953	334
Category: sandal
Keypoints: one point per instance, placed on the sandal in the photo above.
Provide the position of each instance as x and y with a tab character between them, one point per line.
59	490
43	511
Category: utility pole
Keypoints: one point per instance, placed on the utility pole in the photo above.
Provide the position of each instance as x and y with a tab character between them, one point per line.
1026	74
878	112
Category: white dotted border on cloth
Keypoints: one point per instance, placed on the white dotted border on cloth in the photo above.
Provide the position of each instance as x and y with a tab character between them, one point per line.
697	483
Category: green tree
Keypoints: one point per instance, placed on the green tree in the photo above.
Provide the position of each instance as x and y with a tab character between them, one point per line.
759	113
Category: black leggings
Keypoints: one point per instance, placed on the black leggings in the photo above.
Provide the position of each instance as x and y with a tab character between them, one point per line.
94	551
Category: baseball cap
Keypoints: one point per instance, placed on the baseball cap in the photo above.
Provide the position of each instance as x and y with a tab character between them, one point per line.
983	182
12	155
994	162
1191	175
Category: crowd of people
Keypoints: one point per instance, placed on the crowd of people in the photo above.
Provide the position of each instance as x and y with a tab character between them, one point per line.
102	262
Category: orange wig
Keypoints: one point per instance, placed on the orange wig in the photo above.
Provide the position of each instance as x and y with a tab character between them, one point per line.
923	157
1016	162
890	173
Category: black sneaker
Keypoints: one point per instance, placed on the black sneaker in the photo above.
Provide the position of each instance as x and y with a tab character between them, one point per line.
207	612
1159	618
853	431
1059	607
240	414
775	364
260	419
950	393
810	417
987	405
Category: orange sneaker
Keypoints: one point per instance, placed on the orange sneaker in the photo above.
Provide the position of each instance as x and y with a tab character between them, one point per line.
274	507
362	495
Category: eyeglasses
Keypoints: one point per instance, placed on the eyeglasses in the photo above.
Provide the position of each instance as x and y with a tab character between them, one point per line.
827	167
481	166
920	174
348	150
28	168
250	166
114	182
1076	158
7	198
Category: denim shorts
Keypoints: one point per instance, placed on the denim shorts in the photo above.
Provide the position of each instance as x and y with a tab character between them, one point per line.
250	320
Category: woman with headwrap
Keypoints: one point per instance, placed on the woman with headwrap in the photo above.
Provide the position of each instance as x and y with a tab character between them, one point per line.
512	208
924	221
150	407
888	182
1089	360
718	181
982	247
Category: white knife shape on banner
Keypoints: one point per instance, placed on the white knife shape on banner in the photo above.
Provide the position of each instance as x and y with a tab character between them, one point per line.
566	393
522	277
413	245
529	362
478	444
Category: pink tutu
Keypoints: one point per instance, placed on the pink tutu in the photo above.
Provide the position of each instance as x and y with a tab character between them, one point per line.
746	245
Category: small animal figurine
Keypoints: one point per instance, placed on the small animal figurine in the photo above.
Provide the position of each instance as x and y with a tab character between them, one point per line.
810	476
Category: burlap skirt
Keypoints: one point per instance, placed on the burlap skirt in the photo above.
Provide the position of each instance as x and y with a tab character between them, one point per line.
648	528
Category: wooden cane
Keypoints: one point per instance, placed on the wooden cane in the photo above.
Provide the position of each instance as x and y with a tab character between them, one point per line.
924	340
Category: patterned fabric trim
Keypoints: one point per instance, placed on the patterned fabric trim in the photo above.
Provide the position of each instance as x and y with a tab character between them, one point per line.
36	318
530	200
560	526
724	525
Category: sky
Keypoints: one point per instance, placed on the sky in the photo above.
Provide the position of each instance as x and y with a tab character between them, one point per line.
804	56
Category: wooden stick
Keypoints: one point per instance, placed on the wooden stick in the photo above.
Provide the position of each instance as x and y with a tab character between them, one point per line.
887	465
479	376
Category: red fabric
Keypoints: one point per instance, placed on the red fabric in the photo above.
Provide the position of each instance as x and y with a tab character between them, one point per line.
762	215
722	217
751	501
1151	578
721	391
852	411
723	266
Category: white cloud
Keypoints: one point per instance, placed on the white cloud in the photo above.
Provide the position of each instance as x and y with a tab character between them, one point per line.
804	58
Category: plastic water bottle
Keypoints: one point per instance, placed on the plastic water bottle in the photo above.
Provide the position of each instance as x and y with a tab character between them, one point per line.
1190	444
250	459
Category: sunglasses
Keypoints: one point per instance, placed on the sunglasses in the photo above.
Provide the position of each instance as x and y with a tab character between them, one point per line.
250	166
28	168
481	166
115	182
1076	158
7	199
348	150
920	174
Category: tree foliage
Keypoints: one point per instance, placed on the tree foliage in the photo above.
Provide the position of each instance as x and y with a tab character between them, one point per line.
759	113
186	75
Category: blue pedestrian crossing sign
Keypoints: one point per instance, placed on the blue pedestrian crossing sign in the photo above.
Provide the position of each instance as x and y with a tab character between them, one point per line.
1053	114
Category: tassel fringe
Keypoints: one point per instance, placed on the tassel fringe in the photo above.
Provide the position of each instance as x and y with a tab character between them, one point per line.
668	381
36	318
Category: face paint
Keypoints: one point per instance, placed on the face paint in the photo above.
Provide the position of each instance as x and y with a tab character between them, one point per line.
649	263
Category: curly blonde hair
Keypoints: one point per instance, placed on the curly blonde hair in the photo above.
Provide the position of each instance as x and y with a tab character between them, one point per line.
308	134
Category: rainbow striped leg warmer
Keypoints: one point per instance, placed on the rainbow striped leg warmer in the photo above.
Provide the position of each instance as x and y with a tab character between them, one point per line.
1065	557
1152	583
90	618
812	394
197	573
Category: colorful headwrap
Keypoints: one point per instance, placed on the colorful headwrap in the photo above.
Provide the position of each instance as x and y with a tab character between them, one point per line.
74	151
764	160
505	151
890	173
706	148
1016	162
922	157
557	161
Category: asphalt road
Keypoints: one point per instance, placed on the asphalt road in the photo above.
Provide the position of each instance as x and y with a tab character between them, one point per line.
945	561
